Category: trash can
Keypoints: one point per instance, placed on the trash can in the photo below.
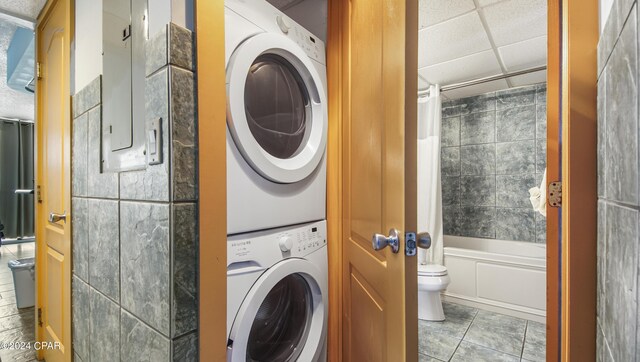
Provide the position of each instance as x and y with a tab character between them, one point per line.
24	281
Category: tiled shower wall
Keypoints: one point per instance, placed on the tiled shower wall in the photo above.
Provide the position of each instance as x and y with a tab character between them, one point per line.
135	233
493	152
618	189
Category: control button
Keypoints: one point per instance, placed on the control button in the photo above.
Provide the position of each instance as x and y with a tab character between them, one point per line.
285	243
282	24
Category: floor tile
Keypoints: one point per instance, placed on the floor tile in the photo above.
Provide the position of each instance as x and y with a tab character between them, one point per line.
7	301
437	345
425	358
498	332
535	342
16	325
9	309
469	352
8	287
22	320
458	319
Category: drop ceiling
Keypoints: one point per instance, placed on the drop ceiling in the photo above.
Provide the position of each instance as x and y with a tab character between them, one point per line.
462	40
15	13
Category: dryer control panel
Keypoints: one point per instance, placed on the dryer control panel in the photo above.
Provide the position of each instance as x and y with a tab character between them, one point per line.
264	248
312	45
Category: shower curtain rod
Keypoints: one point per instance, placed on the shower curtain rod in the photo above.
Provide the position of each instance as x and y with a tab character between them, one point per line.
484	80
15	120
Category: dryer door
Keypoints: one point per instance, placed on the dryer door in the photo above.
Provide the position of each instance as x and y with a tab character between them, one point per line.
283	317
276	107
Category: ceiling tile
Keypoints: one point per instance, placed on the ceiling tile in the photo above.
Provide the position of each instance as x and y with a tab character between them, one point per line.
23	8
475	90
436	11
13	104
473	66
452	39
527	79
525	54
516	20
483	3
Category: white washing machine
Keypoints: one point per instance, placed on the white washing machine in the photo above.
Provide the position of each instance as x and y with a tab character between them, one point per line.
277	295
276	119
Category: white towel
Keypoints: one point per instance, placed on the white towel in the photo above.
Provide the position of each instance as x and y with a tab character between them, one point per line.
538	196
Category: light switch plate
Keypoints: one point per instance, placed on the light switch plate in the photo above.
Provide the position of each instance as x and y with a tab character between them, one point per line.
154	142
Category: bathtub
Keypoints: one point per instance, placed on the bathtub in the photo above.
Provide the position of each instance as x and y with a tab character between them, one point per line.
507	277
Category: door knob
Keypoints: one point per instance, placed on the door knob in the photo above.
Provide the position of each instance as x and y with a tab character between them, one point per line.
423	240
54	218
380	241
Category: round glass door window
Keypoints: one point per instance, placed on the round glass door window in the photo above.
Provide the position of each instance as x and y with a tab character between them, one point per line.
277	105
280	328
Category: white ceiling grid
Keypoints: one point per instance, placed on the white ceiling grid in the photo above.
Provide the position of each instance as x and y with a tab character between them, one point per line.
14	13
462	40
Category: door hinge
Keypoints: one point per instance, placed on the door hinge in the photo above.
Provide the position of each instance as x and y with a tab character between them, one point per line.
39	194
555	194
40	317
38	71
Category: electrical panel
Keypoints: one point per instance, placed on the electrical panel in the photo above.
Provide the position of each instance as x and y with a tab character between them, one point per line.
124	35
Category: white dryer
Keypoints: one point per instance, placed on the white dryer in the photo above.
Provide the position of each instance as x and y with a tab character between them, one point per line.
277	295
276	119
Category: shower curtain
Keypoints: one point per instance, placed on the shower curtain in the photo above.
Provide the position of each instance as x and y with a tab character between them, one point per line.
429	184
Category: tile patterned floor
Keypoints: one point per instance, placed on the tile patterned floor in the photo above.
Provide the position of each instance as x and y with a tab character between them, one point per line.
469	334
16	325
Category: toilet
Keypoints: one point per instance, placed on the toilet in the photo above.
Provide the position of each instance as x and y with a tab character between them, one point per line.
432	279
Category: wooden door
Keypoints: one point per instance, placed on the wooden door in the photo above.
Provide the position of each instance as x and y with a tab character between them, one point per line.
579	212
378	152
53	239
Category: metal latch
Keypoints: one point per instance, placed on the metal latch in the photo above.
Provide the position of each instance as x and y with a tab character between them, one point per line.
555	194
410	244
413	241
126	33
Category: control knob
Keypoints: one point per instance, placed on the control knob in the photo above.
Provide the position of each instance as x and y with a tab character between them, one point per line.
285	243
282	24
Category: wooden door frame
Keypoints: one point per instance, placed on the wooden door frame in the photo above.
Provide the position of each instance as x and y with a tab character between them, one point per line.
39	214
212	180
580	33
554	68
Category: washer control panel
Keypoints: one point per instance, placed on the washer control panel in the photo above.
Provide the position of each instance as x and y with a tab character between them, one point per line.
263	248
301	241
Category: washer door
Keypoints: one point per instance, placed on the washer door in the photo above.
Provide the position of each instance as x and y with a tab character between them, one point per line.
282	318
276	107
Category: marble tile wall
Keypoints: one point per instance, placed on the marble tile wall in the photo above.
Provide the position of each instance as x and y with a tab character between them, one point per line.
135	239
618	338
493	152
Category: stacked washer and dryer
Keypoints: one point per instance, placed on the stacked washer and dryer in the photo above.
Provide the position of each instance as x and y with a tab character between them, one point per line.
276	186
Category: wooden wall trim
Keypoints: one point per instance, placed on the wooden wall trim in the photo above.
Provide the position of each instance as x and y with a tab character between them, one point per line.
335	64
411	174
554	75
212	178
580	34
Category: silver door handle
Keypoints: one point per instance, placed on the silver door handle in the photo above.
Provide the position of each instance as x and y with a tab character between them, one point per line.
54	218
23	192
423	240
380	241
